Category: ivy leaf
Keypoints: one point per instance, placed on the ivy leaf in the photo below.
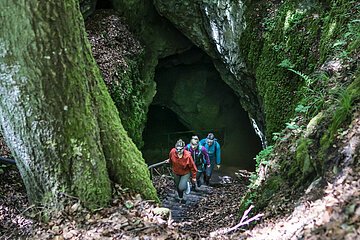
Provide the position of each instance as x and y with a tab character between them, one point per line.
129	204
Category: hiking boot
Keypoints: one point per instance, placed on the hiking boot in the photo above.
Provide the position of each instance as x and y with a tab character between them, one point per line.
188	189
182	201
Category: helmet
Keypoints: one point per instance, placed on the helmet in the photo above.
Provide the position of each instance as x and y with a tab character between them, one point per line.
210	139
179	146
210	136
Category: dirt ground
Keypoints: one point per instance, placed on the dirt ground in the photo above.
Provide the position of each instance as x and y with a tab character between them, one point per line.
328	209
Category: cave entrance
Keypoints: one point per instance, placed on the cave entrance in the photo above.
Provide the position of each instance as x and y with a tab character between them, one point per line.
192	99
162	130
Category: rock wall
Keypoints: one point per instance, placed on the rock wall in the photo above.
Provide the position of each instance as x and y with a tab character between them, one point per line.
216	27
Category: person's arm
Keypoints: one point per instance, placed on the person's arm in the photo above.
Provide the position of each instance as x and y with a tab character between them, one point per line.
193	168
170	156
206	155
218	154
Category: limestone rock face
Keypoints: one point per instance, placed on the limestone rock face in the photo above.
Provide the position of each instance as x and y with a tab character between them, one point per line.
156	32
216	27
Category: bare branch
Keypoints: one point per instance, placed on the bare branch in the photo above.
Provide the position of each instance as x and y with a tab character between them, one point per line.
241	223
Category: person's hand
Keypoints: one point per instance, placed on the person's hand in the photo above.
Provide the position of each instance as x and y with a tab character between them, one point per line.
167	161
218	167
193	180
208	165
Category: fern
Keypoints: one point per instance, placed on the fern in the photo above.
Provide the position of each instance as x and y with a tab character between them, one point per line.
307	79
289	66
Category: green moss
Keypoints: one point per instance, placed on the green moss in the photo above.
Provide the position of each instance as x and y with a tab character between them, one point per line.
336	26
272	185
128	95
287	33
259	197
303	159
346	104
124	161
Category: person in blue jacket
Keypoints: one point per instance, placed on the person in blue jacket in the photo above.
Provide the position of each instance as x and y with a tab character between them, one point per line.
213	148
201	159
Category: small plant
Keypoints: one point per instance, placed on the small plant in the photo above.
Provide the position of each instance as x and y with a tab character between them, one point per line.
263	156
343	110
289	66
313	95
302	109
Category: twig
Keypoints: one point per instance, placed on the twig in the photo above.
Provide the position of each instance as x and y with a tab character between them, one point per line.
241	223
27	209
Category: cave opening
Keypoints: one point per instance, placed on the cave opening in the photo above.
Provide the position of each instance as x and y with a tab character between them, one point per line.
192	99
104	4
162	130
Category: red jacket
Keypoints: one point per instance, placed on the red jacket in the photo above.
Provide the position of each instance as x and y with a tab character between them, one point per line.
184	165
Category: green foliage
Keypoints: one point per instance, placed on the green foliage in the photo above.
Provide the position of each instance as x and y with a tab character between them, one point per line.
248	200
263	156
345	105
312	92
343	110
302	109
341	31
289	66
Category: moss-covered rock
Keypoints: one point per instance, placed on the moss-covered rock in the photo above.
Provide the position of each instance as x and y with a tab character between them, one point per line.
274	33
121	59
324	79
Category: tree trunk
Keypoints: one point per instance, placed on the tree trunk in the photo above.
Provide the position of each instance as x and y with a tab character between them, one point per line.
55	111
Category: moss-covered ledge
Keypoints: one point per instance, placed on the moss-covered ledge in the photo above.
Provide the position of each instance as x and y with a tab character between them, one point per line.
274	33
121	58
325	101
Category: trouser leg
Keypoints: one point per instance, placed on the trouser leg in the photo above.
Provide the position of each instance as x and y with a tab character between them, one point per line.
177	181
181	183
198	178
209	171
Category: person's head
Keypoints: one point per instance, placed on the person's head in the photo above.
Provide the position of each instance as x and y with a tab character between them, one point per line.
196	138
179	146
194	143
210	139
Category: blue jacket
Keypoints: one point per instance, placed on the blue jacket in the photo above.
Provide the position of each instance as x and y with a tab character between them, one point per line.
213	150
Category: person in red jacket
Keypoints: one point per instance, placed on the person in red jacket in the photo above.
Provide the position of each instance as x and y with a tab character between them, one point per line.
183	168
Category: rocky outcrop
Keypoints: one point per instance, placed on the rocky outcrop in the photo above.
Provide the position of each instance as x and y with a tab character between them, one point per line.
120	57
215	27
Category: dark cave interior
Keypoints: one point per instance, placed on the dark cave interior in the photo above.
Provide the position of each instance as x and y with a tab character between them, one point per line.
192	99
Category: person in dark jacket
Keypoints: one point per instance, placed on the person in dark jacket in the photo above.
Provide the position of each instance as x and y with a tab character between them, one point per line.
213	148
201	158
183	167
